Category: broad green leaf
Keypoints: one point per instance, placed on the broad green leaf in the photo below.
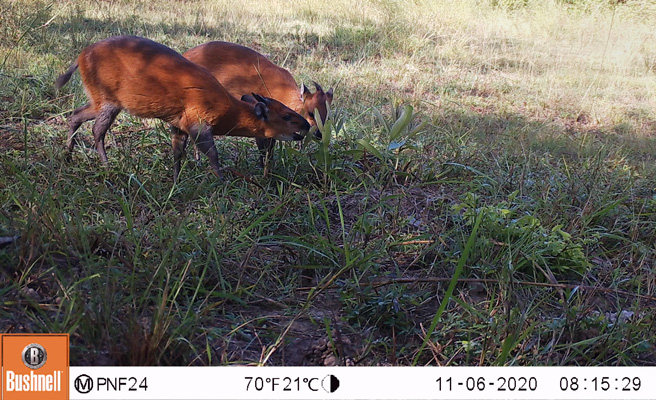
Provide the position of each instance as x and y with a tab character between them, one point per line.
381	119
401	123
371	149
327	133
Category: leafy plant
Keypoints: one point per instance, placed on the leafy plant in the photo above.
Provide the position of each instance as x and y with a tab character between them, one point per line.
524	242
396	136
385	308
332	126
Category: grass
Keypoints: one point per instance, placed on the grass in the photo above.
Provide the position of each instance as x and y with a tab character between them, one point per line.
487	196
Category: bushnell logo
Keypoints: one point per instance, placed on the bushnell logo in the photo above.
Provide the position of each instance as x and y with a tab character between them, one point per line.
34	356
34	366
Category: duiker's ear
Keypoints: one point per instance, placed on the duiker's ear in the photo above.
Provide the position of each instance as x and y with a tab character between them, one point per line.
304	91
329	94
261	111
262	99
248	99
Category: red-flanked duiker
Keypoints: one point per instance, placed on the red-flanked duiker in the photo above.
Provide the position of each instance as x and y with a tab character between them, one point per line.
242	70
150	80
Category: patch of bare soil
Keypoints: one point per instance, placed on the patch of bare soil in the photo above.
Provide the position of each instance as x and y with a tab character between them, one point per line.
11	138
318	337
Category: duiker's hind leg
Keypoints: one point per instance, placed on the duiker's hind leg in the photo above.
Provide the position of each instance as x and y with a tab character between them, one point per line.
80	115
196	151
104	120
203	140
179	142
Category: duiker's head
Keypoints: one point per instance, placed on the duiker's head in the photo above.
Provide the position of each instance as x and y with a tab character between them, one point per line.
278	121
316	101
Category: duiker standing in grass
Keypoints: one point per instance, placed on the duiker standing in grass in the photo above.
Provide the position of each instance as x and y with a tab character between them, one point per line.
150	80
242	70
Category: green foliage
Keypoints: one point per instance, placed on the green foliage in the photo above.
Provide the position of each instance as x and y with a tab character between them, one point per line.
525	243
22	22
396	135
385	308
333	125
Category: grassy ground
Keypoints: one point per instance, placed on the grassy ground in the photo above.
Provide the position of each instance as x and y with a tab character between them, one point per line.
488	195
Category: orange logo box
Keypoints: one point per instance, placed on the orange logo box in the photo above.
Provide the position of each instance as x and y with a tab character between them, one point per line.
34	366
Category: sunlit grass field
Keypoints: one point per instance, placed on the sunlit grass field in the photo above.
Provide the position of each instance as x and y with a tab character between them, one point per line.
485	193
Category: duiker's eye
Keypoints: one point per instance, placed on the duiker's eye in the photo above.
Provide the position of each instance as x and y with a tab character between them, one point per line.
287	117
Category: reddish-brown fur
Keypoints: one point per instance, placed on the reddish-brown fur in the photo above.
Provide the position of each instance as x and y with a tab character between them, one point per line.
242	71
150	80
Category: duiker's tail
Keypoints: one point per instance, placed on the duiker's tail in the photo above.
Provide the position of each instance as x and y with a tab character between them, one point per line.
66	76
